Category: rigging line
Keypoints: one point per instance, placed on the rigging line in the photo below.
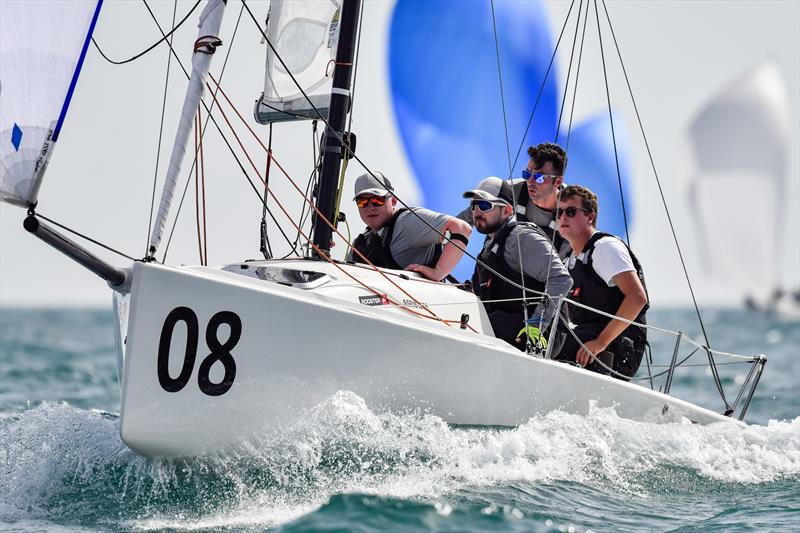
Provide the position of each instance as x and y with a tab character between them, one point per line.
510	171
613	134
82	236
664	200
345	147
266	249
355	67
569	71
160	135
197	187
502	94
577	75
203	184
205	106
164	38
544	82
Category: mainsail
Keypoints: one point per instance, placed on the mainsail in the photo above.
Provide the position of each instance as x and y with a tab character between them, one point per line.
42	47
304	35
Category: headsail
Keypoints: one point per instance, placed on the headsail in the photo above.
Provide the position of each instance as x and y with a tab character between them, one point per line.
305	35
42	47
207	41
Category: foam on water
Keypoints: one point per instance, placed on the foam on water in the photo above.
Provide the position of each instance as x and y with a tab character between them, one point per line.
62	462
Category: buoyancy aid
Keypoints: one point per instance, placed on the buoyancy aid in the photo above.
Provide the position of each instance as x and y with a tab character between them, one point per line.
488	286
377	248
588	288
522	197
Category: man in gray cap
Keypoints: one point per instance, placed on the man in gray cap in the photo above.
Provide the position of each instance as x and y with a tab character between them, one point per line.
409	239
522	253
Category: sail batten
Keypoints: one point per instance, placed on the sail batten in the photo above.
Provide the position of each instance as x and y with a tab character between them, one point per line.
42	48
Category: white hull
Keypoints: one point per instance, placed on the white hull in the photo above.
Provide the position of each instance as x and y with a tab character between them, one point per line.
299	346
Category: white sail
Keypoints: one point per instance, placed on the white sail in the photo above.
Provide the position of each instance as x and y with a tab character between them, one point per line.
740	141
42	46
207	41
305	35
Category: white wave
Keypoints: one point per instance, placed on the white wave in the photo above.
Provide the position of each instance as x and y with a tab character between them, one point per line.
342	446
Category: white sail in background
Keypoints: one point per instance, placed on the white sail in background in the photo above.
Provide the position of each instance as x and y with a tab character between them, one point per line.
305	35
207	41
740	141
42	46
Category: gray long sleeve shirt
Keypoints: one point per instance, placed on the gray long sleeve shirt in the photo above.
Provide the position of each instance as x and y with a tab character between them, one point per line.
539	261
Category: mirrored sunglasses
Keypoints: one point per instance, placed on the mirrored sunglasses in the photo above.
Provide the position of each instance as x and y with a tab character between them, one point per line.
538	177
376	201
483	205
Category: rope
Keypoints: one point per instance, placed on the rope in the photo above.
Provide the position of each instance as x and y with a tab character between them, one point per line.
569	72
611	120
196	187
149	48
666	209
265	247
160	135
541	87
511	173
577	75
82	236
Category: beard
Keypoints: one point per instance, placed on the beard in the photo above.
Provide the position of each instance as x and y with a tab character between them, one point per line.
487	227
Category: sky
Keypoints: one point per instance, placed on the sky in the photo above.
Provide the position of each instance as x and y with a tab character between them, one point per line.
679	55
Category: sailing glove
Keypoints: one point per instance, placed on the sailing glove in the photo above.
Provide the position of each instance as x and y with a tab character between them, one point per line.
534	334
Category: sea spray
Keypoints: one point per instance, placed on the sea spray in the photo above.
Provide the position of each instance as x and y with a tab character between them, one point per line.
68	465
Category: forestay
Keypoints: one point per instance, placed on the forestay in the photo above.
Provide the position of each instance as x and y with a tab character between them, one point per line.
42	47
304	35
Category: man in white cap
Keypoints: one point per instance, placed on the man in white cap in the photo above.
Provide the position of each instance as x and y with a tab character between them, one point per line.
522	255
409	239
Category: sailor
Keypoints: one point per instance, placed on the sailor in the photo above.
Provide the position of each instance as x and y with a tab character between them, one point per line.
535	197
515	254
409	239
606	276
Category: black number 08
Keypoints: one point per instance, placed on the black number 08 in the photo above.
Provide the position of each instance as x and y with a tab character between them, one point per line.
219	351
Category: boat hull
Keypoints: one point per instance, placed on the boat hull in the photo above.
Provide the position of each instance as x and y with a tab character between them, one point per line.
265	352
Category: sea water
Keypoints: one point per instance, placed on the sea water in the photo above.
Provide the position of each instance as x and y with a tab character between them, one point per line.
345	467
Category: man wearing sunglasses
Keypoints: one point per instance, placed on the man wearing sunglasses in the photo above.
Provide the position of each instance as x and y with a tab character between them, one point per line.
519	252
535	196
607	276
402	239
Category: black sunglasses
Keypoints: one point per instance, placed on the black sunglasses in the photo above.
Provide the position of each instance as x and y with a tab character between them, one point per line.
571	211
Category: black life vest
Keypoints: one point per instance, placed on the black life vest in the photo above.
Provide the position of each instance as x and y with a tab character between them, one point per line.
377	249
520	193
491	287
588	288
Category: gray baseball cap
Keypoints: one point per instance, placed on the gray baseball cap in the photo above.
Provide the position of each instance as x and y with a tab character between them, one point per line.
366	184
488	189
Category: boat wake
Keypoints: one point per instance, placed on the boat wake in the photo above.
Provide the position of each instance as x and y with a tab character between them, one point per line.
67	464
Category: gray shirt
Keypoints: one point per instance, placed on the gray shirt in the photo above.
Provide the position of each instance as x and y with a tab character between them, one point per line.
539	261
414	241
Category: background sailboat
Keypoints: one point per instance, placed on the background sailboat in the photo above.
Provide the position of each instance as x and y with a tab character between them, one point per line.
738	202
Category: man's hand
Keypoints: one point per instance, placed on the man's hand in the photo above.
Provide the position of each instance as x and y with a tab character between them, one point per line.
589	349
534	334
428	272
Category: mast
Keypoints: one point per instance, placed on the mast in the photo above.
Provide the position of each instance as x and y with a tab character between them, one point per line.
340	104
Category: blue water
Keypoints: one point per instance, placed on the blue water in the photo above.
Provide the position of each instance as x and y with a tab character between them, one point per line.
347	468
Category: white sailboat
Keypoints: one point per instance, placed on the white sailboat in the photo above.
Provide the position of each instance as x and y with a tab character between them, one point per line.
209	356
